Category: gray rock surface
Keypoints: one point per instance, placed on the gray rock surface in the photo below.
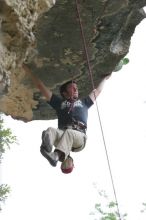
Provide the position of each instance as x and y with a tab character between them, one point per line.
48	38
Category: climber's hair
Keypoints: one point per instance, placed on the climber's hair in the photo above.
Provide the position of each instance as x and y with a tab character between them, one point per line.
64	86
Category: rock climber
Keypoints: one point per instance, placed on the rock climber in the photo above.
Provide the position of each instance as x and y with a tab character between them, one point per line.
72	114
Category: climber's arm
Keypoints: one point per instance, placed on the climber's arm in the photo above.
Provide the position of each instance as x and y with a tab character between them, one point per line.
95	93
39	84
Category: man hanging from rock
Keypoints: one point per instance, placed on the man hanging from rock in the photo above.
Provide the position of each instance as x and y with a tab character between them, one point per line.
72	114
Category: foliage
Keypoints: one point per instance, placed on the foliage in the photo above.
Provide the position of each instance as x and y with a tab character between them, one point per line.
106	209
4	191
6	138
144	207
122	62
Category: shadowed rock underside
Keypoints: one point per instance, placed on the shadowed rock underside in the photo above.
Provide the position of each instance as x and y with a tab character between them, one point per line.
47	36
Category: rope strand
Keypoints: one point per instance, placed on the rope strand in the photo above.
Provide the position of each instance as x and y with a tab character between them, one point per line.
92	82
84	43
108	161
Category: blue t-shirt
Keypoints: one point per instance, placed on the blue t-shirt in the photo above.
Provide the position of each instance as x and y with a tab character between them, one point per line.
68	111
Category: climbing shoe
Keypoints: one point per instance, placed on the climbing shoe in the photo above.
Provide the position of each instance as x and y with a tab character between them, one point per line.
46	142
52	157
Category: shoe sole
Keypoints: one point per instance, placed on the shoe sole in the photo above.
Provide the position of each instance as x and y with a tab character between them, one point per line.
45	154
46	142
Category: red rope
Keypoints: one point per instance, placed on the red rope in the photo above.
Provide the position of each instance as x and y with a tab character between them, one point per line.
84	44
92	82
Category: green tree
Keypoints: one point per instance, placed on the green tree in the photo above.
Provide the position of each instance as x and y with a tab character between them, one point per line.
106	209
6	139
4	191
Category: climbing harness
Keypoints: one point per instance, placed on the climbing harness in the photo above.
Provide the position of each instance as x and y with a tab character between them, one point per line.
92	82
76	125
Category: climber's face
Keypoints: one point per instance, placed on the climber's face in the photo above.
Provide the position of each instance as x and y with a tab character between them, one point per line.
71	91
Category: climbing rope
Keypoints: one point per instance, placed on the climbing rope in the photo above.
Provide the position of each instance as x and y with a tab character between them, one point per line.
92	82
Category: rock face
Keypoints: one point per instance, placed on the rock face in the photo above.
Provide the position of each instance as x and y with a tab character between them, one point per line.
48	36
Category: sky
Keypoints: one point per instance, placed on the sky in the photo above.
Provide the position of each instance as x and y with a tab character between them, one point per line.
39	191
